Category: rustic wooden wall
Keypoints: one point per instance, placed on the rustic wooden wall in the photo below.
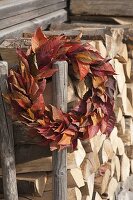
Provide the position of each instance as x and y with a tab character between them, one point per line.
102	7
20	16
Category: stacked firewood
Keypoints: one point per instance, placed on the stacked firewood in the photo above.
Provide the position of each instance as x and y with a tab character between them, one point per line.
98	168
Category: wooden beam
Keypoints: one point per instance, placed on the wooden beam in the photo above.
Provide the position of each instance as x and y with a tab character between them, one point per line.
6	141
19	7
29	26
25	16
94	7
59	157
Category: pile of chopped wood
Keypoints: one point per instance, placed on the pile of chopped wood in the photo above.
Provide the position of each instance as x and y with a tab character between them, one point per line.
98	168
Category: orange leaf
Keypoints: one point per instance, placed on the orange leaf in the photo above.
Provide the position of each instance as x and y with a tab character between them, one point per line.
41	122
38	39
65	140
31	114
68	132
96	119
97	81
84	57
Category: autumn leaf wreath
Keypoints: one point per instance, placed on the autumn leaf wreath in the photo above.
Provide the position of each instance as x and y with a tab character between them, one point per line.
26	85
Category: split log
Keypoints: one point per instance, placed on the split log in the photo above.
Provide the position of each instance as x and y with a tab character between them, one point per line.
113	42
97	196
121	102
118	114
107	147
127	70
87	146
103	157
131	163
76	158
90	164
88	188
101	182
120	147
129	129
121	126
93	43
33	183
74	194
112	186
122	54
120	77
124	103
101	48
130	92
115	168
129	151
113	139
129	110
30	183
85	197
74	179
95	143
125	167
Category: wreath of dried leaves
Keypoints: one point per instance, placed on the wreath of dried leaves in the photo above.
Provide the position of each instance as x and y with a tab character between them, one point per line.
93	113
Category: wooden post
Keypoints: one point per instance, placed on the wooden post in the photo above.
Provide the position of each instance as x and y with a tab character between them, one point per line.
59	158
6	141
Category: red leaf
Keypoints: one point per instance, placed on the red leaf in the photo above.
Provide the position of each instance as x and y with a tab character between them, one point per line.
48	52
38	105
92	130
46	72
83	70
57	114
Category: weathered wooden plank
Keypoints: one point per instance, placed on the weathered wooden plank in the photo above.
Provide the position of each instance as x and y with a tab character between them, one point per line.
40	163
19	7
29	26
6	141
59	160
10	21
89	34
30	183
102	7
22	136
30	152
102	20
82	25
